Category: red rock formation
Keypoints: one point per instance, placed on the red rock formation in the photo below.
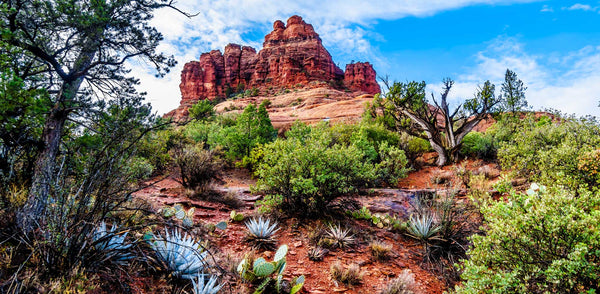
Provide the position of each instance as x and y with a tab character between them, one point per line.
361	76
292	54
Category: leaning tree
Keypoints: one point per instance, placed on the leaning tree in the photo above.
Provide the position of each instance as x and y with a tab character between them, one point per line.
407	105
77	51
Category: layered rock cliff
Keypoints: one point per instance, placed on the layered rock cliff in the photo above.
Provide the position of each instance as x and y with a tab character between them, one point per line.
292	55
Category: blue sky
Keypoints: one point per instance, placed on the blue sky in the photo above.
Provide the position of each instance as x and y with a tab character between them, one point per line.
553	46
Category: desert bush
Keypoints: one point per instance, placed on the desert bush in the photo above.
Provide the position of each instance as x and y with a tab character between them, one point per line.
414	146
308	170
202	110
392	164
197	167
589	165
549	152
542	241
478	145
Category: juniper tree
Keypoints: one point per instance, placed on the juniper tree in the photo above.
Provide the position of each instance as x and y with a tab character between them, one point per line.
407	105
76	50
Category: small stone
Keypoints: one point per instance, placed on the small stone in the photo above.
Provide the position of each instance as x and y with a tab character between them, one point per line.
298	244
292	252
268	254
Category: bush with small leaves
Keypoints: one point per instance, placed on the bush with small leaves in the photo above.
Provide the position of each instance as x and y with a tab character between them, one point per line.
543	241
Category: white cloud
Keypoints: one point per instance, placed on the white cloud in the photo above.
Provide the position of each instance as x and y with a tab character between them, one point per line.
547	8
579	6
570	83
342	24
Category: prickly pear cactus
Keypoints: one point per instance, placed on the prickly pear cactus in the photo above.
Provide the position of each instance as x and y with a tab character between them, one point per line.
263	269
281	253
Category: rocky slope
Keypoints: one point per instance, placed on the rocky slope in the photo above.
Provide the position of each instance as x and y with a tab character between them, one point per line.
293	56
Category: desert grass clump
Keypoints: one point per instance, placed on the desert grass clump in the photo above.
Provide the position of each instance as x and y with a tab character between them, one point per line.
380	250
351	275
404	283
317	253
338	237
261	233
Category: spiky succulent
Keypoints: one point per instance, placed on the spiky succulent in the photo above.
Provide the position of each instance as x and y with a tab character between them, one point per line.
340	238
317	253
422	227
201	286
112	244
261	232
181	254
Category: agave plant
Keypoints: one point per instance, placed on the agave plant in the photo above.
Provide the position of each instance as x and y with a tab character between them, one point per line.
181	254
201	286
340	238
317	253
422	227
261	232
112	244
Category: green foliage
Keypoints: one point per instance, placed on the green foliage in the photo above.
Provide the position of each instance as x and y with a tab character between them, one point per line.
252	127
308	170
478	145
513	92
22	112
549	152
392	165
202	110
406	106
539	242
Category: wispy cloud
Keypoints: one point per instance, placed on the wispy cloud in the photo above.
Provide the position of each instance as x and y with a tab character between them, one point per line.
547	8
579	6
570	83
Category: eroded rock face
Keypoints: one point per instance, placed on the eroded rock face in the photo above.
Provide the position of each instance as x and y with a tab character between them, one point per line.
361	76
292	55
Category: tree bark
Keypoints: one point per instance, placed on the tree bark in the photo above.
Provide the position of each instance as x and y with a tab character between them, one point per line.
33	214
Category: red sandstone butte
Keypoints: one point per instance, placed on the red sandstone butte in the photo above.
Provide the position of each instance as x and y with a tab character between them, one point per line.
292	55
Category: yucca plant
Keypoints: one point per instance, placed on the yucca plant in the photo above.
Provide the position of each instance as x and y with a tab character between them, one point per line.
201	286
338	237
180	254
317	253
422	227
261	232
112	244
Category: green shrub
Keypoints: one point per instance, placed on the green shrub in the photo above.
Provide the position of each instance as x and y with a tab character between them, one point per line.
392	165
414	146
202	110
549	152
538	242
478	145
197	167
307	171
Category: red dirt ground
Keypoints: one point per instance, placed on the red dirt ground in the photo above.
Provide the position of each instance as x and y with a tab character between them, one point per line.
406	251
